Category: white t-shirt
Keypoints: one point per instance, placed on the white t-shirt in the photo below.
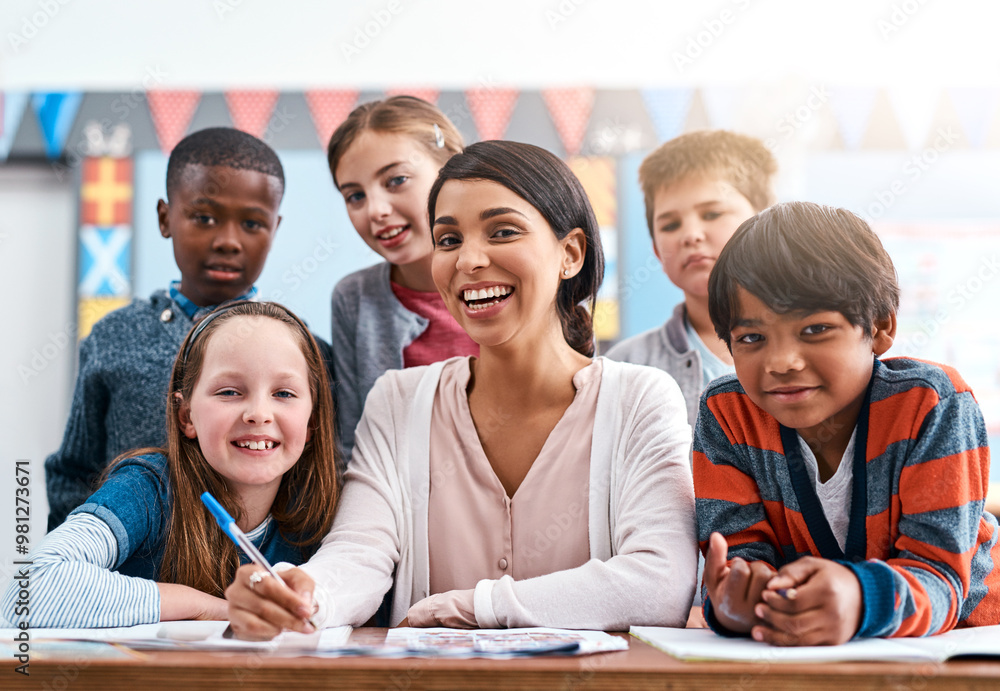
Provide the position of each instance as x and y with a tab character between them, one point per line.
835	493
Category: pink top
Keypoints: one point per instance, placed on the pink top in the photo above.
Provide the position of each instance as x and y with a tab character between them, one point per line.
443	338
475	531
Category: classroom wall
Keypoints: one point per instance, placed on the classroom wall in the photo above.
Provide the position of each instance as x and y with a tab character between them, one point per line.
753	64
38	250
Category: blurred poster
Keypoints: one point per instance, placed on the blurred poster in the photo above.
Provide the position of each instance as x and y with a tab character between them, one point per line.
949	276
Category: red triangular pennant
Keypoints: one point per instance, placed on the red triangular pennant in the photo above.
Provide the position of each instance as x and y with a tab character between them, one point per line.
429	95
329	108
491	110
570	110
251	110
172	112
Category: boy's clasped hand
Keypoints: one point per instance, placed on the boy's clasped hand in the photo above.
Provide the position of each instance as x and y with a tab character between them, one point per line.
810	601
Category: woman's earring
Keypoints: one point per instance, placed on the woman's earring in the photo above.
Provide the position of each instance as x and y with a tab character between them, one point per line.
566	272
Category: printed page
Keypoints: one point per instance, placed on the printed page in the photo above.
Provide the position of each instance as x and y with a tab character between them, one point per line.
435	642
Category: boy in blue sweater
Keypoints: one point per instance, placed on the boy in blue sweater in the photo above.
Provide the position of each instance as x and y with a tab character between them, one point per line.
223	191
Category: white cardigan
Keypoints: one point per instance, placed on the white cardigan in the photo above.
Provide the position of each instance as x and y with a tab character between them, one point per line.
643	551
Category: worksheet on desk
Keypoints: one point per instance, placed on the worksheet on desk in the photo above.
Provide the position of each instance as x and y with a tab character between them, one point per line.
703	644
434	642
192	636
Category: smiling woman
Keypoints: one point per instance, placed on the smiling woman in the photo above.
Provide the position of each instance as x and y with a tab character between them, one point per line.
518	488
525	214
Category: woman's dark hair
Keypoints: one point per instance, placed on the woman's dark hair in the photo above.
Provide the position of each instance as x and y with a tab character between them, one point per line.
547	183
800	256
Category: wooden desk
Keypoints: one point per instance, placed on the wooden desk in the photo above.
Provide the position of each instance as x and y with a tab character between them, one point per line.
641	667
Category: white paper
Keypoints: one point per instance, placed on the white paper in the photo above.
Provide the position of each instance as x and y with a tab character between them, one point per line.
977	640
193	635
108	634
703	644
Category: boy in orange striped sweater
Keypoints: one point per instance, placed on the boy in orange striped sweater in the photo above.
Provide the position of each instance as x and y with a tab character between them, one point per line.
838	495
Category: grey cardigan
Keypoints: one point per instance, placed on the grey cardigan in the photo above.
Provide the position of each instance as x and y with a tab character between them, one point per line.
370	330
667	348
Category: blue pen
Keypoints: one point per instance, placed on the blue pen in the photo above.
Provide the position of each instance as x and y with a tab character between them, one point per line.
230	528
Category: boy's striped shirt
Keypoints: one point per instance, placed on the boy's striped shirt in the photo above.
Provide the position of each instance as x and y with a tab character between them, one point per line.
931	559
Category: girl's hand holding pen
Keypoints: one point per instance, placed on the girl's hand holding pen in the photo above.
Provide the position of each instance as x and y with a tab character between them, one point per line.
261	610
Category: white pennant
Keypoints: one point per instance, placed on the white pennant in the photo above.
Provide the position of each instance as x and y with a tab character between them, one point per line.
14	104
852	108
975	107
721	103
915	107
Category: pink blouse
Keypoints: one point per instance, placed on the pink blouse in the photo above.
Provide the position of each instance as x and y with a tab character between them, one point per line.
475	531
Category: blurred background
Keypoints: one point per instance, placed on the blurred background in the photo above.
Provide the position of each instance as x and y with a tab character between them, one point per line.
888	108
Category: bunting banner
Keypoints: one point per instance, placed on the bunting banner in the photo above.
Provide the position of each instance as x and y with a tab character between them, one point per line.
172	112
915	108
668	109
427	94
866	117
975	108
328	109
883	130
491	110
570	110
251	110
852	109
12	107
722	104
106	192
56	114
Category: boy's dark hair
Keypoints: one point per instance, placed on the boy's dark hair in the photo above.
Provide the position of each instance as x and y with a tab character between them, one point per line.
800	256
741	160
222	146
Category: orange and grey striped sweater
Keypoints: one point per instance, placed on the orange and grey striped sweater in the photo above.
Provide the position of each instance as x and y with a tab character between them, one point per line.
919	542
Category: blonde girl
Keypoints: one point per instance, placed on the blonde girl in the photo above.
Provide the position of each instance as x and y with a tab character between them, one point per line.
250	419
384	159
